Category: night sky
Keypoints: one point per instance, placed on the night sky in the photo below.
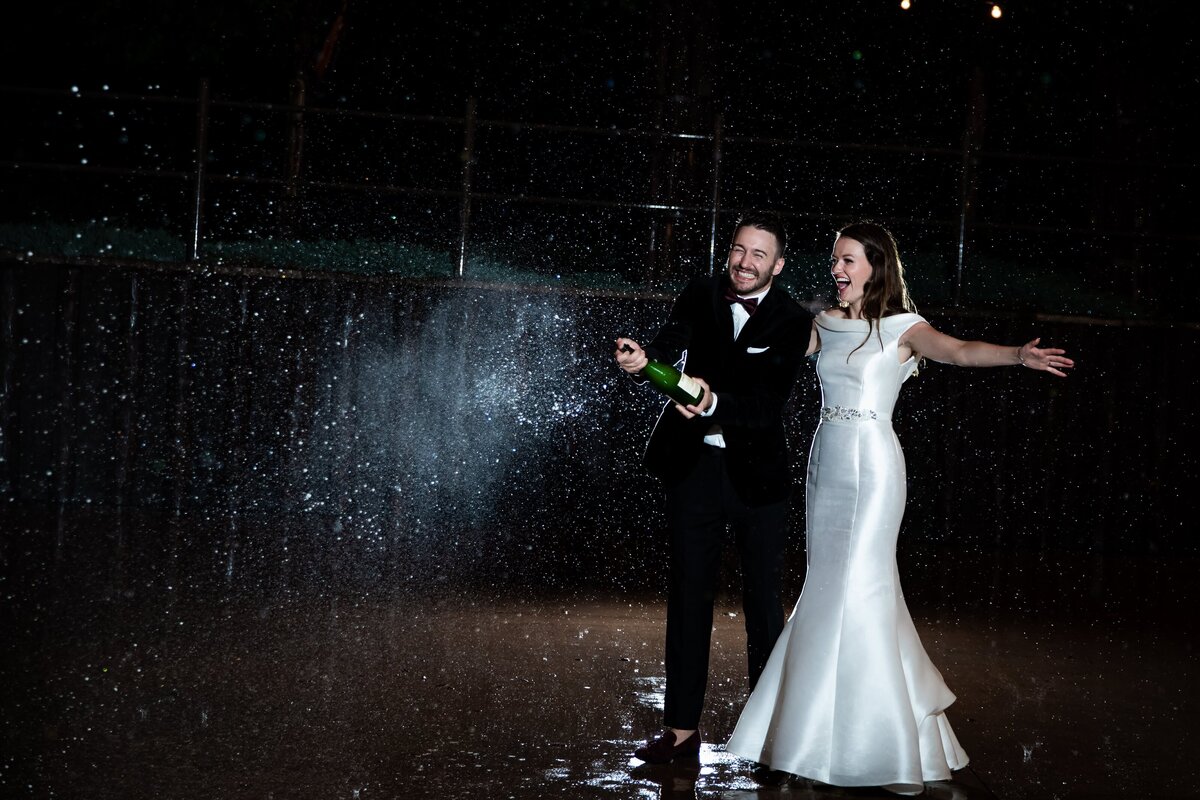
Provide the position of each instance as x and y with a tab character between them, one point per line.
1102	79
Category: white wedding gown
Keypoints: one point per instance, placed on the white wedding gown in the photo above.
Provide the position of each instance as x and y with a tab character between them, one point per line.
848	696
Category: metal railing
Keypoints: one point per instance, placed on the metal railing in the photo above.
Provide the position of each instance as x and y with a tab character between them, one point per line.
964	165
171	363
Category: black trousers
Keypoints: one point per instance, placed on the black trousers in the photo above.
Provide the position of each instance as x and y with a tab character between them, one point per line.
700	509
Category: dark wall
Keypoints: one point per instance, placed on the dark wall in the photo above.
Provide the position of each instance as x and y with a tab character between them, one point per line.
216	434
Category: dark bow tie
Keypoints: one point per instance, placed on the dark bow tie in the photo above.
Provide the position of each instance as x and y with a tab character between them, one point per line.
748	303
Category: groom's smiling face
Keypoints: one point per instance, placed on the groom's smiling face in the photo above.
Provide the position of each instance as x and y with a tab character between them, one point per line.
754	260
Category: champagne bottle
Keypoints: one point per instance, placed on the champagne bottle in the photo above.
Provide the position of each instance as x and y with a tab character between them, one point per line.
674	384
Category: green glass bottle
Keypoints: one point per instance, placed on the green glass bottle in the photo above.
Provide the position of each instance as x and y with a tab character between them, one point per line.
674	384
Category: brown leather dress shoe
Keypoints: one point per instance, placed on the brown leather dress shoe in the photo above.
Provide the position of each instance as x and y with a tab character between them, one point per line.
663	750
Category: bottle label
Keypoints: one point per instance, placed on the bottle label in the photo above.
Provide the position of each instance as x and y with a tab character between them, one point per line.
689	385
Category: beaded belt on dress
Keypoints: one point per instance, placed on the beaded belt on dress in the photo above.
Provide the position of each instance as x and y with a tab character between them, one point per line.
844	414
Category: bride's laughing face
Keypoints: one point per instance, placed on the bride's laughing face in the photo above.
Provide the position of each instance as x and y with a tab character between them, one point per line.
850	270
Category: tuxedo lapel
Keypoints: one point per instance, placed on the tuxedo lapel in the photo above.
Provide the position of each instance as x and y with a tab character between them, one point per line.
722	313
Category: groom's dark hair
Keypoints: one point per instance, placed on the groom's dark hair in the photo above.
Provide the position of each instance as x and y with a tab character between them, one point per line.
767	221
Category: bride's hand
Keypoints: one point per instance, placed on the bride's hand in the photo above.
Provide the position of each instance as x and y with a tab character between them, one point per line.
1050	359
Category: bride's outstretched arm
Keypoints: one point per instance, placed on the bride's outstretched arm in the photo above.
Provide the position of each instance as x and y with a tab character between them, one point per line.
925	340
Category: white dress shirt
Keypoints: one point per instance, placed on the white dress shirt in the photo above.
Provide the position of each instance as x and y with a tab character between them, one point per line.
714	436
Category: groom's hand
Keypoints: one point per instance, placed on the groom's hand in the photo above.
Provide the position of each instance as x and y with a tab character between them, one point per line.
630	355
706	401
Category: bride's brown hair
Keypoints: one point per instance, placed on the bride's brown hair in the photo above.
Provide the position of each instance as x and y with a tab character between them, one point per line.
886	293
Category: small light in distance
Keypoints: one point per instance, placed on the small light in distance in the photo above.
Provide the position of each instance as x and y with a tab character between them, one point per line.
906	4
996	12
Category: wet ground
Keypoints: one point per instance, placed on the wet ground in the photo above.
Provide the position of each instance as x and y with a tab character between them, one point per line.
496	695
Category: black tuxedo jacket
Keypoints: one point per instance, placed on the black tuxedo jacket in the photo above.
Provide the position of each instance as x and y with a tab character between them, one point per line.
752	377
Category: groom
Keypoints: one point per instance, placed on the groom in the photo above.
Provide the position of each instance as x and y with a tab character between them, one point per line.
724	461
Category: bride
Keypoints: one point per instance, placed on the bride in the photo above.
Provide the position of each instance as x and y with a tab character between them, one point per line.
849	696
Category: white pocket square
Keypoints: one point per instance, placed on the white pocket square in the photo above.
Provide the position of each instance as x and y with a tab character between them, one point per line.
756	350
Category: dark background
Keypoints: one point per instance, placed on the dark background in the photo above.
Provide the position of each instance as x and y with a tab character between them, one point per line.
260	440
1047	144
1067	77
210	415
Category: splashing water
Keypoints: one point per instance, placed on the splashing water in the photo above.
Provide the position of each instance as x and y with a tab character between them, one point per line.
425	434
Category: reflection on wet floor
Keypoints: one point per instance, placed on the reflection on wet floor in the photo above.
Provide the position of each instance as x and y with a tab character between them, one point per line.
718	774
511	697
